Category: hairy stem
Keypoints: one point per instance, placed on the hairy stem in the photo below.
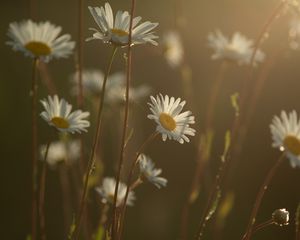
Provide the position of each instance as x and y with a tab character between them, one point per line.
91	161
260	196
42	194
33	94
125	125
129	185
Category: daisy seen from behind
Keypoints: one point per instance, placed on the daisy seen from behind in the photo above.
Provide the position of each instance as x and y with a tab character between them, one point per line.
150	173
171	123
58	114
39	40
173	49
285	132
116	30
107	192
238	49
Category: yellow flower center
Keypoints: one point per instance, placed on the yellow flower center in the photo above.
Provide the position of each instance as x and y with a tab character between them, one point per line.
60	122
292	144
38	48
167	121
119	32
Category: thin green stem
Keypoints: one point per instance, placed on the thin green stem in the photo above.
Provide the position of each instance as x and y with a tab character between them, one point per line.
260	196
91	161
263	225
33	94
80	53
42	193
125	125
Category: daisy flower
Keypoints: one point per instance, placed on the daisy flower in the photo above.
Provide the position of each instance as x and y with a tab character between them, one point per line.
58	114
107	192
173	49
285	132
116	31
92	81
294	33
150	173
170	122
39	40
61	151
56	153
239	49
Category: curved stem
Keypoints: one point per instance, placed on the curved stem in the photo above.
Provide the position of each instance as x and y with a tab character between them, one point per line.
80	53
260	196
42	194
262	225
93	151
201	163
258	41
129	186
124	134
33	94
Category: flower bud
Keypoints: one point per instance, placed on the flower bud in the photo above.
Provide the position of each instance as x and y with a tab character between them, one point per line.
280	217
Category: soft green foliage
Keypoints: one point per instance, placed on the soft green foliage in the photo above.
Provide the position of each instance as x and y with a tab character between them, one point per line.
226	145
99	233
214	205
234	98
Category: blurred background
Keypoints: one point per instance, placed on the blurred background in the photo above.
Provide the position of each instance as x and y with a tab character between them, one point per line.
157	213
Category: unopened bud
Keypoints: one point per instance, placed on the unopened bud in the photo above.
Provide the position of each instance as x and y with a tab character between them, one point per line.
281	217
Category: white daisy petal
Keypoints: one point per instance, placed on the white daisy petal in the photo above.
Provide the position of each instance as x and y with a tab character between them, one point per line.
150	173
170	122
285	134
239	49
116	31
39	40
58	114
107	192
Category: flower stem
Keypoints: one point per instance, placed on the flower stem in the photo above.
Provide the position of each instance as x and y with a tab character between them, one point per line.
259	197
262	225
42	193
91	161
80	53
33	94
124	134
132	186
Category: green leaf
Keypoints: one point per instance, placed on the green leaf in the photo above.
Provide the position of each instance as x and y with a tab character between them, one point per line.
29	237
214	205
225	208
234	103
99	233
226	145
72	227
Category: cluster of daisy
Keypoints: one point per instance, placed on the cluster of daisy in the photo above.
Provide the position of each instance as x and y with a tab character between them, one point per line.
42	41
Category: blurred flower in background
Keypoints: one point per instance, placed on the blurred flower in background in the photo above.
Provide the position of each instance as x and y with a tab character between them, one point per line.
150	173
39	40
107	192
92	81
239	49
61	151
294	33
173	49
